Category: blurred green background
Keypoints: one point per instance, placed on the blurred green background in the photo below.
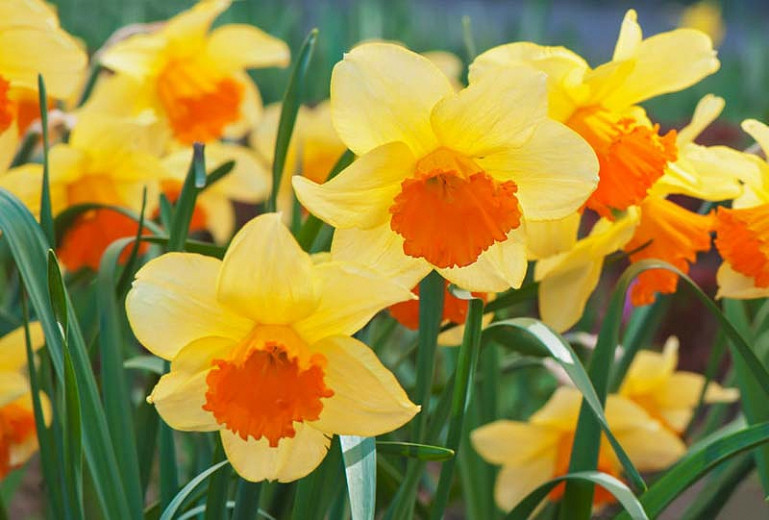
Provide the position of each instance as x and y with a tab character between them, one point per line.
589	27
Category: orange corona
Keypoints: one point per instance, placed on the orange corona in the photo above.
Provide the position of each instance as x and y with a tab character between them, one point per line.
451	211
17	426
740	238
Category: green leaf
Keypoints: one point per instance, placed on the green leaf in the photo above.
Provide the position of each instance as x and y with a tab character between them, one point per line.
67	217
696	464
414	451
28	246
57	295
463	383
218	174
146	363
247	500
359	454
185	204
117	399
216	499
289	110
620	491
179	499
584	455
46	213
560	350
715	495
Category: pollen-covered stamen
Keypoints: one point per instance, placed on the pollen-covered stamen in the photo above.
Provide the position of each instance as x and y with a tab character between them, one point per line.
669	233
631	157
451	211
264	392
742	238
17	425
199	104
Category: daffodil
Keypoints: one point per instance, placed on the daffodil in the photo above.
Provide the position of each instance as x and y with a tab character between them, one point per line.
32	43
742	235
18	436
667	394
444	180
601	104
106	161
260	349
191	78
705	16
248	182
535	451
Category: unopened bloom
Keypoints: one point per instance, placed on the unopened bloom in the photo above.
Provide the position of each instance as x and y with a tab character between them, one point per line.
444	179
18	435
535	451
194	79
260	349
669	395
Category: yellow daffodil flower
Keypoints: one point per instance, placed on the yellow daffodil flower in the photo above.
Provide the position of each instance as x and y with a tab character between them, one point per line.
32	43
444	179
194	79
572	276
535	451
260	349
18	436
249	182
742	234
705	16
667	394
105	162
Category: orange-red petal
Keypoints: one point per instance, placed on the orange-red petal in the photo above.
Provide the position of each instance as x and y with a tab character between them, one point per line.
742	239
454	309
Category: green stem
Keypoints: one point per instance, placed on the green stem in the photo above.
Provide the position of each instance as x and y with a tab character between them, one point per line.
247	500
218	485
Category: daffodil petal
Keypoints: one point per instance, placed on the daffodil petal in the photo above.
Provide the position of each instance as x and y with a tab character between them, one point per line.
555	171
630	37
193	24
663	63
13	347
382	93
500	267
574	284
350	296
380	249
545	238
733	284
515	482
136	56
173	302
294	457
8	140
561	410
367	399
499	111
266	276
708	173
241	46
513	443
707	110
758	131
12	386
650	370
362	194
26	182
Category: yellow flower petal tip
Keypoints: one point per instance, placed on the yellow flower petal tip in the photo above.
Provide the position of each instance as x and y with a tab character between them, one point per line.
260	349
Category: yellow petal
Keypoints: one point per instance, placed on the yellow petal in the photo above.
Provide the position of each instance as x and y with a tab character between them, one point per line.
574	284
500	267
139	56
382	93
20	452
448	63
561	410
546	238
193	24
220	215
350	296
250	110
565	71
12	386
555	170
266	276
499	111
513	443
514	483
758	131
13	347
454	336
380	249
173	302
367	399
29	51
732	284
9	139
650	370
361	195
666	62
25	182
629	38
707	110
180	394
709	173
293	459
241	46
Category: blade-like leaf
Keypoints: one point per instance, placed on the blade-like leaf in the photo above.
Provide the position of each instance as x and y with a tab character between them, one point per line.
185	204
46	213
179	499
359	454
415	451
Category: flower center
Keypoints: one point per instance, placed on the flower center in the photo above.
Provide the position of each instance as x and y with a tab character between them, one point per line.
451	211
741	238
670	233
199	105
264	389
631	156
562	461
17	425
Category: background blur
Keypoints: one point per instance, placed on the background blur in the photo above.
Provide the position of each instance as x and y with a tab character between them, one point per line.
589	27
